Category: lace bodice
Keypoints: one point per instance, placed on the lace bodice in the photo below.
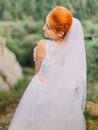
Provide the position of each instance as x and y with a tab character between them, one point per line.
51	52
50	64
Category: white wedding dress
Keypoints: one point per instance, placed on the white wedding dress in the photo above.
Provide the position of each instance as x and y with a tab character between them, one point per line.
49	105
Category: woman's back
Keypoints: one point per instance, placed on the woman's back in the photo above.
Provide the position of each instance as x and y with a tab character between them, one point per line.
50	66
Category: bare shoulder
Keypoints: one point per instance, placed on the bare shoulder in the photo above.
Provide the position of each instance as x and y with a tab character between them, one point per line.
41	48
42	43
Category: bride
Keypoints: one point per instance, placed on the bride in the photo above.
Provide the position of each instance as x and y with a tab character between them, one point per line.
55	98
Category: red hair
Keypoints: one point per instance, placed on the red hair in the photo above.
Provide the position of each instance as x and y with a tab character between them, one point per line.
60	19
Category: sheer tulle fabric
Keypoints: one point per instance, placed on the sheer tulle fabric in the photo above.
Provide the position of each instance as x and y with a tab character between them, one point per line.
57	104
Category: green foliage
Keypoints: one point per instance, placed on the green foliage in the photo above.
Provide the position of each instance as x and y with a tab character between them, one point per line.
89	115
92	60
93	95
38	9
4	95
7	16
90	26
91	111
32	26
21	37
93	6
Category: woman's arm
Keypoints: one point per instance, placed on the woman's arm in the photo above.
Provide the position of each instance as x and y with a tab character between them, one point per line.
37	65
39	54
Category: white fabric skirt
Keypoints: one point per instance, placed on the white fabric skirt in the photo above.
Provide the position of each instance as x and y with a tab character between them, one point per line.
34	111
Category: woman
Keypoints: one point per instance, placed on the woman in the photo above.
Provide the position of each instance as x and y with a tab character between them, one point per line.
55	98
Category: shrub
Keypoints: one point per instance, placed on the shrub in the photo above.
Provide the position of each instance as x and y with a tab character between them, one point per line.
92	61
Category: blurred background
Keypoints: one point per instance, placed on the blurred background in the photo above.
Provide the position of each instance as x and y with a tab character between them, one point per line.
21	23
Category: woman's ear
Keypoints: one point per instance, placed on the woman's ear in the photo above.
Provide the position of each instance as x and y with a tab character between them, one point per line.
60	34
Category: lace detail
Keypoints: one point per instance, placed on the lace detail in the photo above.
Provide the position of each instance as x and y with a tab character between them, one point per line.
50	62
52	50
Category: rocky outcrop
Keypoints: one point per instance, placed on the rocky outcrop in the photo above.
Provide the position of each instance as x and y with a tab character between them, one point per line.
10	69
3	84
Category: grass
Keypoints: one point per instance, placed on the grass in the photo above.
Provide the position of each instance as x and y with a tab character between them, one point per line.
91	111
92	93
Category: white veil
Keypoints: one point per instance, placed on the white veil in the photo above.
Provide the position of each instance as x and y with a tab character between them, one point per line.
69	95
73	73
67	83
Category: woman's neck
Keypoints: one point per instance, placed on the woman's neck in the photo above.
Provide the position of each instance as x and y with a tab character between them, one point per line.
58	41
